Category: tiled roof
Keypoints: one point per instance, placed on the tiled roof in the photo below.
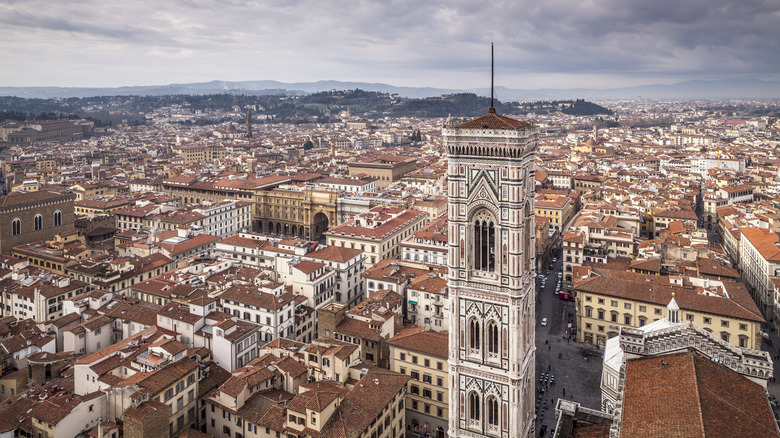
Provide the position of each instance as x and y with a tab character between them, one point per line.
335	253
25	197
494	121
373	393
250	294
308	267
424	341
687	395
658	291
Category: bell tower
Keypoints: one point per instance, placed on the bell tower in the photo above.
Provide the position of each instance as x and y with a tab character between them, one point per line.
492	249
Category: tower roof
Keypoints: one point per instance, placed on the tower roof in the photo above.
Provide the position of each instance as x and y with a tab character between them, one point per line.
673	304
492	120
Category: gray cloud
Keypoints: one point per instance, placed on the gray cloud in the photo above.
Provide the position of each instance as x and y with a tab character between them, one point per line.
405	42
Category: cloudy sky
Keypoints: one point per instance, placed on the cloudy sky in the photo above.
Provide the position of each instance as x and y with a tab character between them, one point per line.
438	43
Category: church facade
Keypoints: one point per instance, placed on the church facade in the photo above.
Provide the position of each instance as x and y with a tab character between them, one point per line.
491	276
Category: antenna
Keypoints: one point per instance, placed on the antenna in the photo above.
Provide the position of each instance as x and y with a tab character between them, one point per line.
492	74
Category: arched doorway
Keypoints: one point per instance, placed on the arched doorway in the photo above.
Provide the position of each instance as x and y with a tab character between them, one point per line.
270	227
295	231
260	227
439	432
319	225
278	228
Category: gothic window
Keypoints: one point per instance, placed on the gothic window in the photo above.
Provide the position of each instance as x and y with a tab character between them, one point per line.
16	227
492	411
57	218
474	407
527	239
492	338
474	334
38	222
484	241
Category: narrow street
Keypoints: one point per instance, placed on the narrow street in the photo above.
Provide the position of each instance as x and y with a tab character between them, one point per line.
564	368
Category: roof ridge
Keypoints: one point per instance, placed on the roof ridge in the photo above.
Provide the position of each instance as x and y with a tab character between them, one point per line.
696	388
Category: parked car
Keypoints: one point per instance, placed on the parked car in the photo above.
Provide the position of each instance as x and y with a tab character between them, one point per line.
544	322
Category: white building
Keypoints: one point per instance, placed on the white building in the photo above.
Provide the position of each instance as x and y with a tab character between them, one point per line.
265	304
225	218
429	245
348	265
235	343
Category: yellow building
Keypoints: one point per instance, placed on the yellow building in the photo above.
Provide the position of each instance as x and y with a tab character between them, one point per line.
101	189
98	207
207	153
422	355
386	168
607	300
556	207
64	250
305	212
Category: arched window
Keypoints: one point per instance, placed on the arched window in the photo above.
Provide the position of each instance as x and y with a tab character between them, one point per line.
474	334
38	222
492	411
492	337
527	247
16	227
57	218
484	242
473	406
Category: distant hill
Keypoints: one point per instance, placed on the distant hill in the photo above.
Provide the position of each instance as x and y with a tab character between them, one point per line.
697	89
326	106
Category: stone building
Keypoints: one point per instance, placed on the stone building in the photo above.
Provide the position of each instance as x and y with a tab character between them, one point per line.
34	217
305	212
386	168
491	276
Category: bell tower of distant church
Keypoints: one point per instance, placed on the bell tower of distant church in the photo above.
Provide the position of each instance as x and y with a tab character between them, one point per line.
491	276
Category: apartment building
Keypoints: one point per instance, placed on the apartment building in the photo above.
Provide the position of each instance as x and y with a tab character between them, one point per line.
759	262
267	304
608	300
149	367
422	355
558	208
348	265
428	245
378	233
428	302
369	324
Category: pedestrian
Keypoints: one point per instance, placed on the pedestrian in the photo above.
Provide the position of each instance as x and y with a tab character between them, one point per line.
568	339
560	355
549	347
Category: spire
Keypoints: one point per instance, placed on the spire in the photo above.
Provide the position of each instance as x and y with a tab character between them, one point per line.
673	311
492	74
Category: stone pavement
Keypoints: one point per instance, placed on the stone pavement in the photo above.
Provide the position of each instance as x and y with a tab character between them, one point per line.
575	367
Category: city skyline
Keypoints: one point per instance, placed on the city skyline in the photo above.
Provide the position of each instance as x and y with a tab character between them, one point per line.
562	44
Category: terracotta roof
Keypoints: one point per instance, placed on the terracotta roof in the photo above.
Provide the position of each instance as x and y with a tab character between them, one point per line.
418	339
717	401
360	407
335	253
308	267
25	197
492	120
658	291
